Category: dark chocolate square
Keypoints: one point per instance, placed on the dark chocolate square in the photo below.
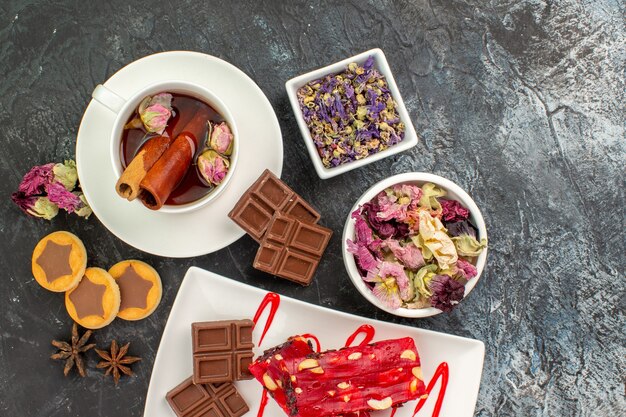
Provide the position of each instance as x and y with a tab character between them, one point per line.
268	257
292	248
212	338
211	410
233	403
274	192
220	400
186	396
218	349
302	211
298	267
213	368
252	217
312	239
280	229
267	196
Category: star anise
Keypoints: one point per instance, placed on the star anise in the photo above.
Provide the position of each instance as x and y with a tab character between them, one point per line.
116	360
72	353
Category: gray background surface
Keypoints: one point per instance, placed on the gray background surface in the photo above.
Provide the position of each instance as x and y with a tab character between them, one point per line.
519	102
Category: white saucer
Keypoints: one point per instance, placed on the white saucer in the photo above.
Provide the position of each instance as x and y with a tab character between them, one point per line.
208	229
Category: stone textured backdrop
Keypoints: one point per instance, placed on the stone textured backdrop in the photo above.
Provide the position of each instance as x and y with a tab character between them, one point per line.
519	102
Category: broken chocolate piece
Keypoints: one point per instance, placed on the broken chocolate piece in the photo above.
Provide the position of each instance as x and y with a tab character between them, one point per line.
263	199
302	211
210	400
292	249
222	351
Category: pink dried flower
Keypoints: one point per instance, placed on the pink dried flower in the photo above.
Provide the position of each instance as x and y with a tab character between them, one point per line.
395	201
387	292
221	139
213	166
154	113
466	269
36	179
155	118
362	231
452	210
364	258
391	285
410	255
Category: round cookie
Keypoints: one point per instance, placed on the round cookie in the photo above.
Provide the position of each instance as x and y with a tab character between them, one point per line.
140	288
95	301
58	262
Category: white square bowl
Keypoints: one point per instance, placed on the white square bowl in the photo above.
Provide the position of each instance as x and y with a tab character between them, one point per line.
380	63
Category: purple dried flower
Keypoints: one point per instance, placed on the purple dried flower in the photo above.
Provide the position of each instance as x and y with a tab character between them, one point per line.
384	229
402	230
350	115
463	227
35	206
64	199
23	201
36	179
46	188
447	293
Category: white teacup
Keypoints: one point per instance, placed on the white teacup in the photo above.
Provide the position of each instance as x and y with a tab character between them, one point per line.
124	108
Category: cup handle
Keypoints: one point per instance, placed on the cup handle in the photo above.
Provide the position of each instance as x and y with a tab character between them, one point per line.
108	98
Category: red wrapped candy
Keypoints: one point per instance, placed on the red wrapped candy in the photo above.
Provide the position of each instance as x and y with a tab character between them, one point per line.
354	380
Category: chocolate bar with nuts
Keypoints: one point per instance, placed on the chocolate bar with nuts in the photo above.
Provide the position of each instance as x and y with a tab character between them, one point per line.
291	248
222	351
357	379
268	195
211	400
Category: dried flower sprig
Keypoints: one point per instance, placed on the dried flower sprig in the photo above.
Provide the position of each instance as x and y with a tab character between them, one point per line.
47	188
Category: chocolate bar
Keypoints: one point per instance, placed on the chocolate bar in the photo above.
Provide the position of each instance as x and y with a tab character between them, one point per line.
268	195
222	351
291	248
377	376
211	400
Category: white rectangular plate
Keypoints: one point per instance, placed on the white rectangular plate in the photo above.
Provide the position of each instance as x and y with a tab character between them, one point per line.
205	296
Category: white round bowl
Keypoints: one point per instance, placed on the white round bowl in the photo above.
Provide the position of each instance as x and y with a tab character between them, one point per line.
415	178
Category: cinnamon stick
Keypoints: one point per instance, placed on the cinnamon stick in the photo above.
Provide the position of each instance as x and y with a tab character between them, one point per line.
167	172
128	184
